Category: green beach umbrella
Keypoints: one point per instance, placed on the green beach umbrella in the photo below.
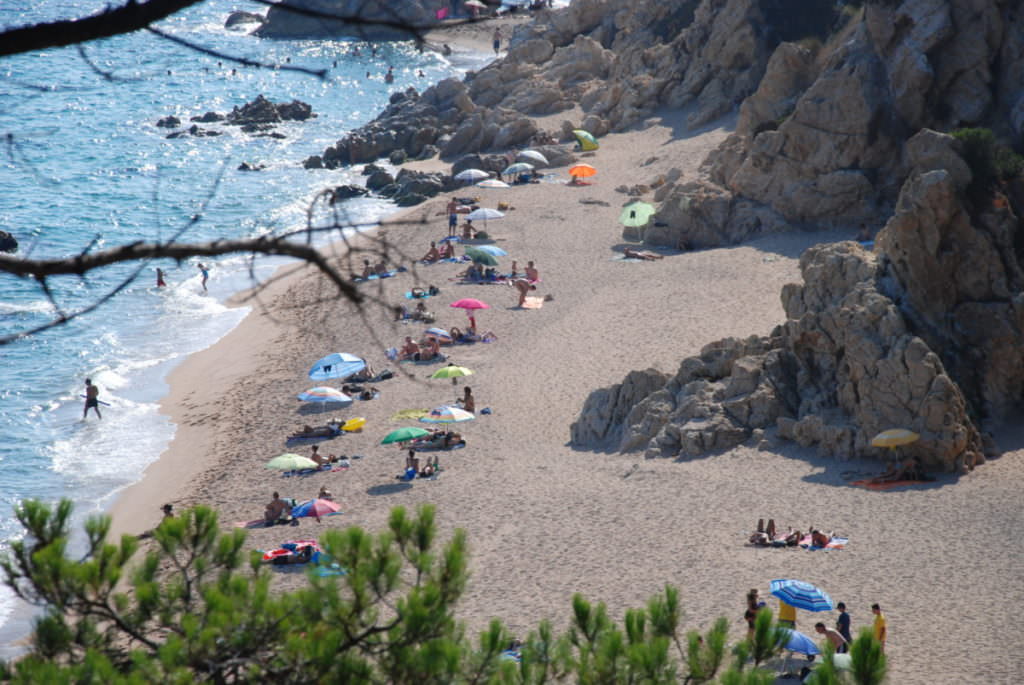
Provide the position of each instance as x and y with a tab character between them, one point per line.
451	371
481	257
586	140
291	462
636	214
404	435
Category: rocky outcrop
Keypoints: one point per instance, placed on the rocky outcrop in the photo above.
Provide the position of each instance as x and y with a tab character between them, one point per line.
8	243
843	367
365	19
263	111
243	20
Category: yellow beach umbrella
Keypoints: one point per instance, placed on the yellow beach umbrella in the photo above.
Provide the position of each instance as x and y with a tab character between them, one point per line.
894	437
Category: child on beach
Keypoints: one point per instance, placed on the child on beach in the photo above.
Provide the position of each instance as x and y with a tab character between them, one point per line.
205	274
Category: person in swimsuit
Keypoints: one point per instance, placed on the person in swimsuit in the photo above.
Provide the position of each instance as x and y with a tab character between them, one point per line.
453	216
467	401
523	286
160	283
448	251
432	254
205	273
92	399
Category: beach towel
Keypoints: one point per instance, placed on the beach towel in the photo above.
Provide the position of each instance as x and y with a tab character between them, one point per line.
834	543
328	468
410	296
533	303
375	277
866	483
409	414
427	447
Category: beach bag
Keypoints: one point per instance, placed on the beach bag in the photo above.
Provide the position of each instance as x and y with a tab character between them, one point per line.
385	374
503	205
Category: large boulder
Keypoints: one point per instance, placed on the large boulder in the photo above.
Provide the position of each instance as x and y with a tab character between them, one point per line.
365	19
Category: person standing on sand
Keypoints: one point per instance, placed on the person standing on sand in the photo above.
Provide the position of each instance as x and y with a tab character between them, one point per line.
843	626
832	636
453	217
531	273
205	273
497	40
92	399
880	628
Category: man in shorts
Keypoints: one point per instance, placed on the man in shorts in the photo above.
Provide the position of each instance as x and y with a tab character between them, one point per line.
92	399
453	217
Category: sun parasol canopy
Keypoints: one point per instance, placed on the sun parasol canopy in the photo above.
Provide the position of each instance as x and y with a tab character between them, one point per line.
492	250
586	140
636	214
447	414
439	334
451	371
324	394
492	183
532	157
582	171
801	595
290	462
471	175
485	213
404	434
336	365
316	508
481	257
894	437
469	303
518	168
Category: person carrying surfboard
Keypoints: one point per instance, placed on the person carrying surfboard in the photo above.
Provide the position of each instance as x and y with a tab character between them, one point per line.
92	399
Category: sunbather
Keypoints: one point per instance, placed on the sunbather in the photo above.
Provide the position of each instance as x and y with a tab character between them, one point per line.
380	268
325	494
819	539
429	349
641	254
315	432
468	230
467	401
410	350
472	273
276	510
432	254
421	313
448	251
908	469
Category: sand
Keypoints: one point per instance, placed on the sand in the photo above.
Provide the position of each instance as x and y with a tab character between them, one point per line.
546	520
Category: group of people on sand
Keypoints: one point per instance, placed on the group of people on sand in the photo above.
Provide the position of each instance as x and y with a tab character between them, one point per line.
769	536
434	254
380	268
413	468
909	469
427	349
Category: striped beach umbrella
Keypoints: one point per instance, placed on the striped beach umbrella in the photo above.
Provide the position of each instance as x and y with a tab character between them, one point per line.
447	414
322	393
438	334
802	595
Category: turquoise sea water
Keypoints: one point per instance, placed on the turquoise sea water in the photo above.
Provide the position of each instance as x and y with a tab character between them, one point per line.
85	166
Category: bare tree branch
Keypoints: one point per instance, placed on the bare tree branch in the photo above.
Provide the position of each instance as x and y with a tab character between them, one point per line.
112	22
319	73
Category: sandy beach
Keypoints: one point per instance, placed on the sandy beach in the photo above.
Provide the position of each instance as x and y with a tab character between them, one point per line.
546	520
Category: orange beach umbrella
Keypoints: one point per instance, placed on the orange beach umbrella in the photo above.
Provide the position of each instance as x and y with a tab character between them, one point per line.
582	171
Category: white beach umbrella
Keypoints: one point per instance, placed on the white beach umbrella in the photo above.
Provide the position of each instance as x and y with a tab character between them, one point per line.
485	213
493	183
533	157
471	175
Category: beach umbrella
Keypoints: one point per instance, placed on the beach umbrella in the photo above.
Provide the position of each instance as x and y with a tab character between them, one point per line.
518	168
471	175
493	183
894	437
475	3
492	250
316	508
485	213
324	394
801	595
439	334
336	365
451	371
636	214
447	414
582	171
533	157
586	140
290	462
469	303
404	434
480	257
798	642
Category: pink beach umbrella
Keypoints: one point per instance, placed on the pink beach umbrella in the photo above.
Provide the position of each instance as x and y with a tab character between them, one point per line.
470	304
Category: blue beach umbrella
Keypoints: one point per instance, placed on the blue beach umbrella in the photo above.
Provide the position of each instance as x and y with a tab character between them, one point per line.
337	365
798	642
802	595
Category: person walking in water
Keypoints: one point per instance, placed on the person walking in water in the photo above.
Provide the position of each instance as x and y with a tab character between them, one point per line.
206	275
92	399
160	283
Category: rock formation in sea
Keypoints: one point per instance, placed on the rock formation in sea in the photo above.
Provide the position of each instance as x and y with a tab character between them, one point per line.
366	19
8	243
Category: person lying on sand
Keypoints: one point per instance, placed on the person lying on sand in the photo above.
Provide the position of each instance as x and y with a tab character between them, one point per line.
432	254
315	432
319	458
641	254
472	273
819	539
908	469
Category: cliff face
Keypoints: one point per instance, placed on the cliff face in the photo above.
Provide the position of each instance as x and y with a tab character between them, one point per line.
386	19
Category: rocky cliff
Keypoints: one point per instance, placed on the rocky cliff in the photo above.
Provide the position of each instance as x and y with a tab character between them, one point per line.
366	19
